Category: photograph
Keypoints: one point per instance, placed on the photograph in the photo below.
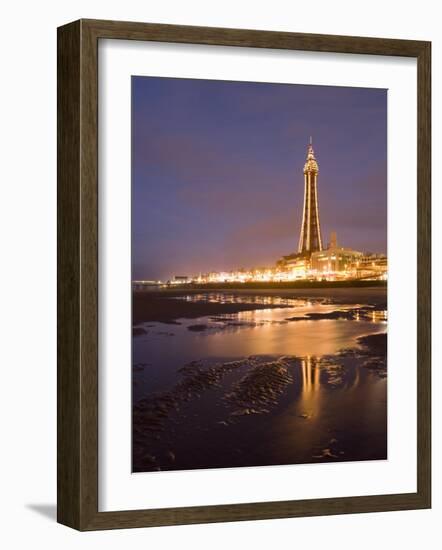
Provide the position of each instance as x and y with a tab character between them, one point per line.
259	274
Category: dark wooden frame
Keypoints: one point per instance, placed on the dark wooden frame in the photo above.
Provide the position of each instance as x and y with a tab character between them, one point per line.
78	267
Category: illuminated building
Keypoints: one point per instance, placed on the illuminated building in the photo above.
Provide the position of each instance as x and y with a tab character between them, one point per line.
310	238
373	266
334	261
296	267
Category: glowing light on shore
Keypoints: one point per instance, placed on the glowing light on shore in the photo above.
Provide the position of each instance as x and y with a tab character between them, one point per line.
301	270
300	273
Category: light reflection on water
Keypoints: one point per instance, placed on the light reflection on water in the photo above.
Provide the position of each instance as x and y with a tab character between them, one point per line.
317	375
334	408
257	332
228	298
303	306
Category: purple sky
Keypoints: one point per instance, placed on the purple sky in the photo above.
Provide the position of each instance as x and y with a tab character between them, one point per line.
217	180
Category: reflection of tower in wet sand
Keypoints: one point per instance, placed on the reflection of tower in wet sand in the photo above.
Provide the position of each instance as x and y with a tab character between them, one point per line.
311	387
334	375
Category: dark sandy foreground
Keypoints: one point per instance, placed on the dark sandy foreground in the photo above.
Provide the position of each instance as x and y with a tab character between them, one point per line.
163	306
242	413
262	409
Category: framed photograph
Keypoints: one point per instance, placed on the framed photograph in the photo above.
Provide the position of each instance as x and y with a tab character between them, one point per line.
243	274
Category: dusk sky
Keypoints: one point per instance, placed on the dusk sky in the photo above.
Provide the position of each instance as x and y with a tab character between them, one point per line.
217	171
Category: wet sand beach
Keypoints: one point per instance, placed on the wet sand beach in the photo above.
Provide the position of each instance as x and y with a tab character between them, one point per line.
254	377
154	305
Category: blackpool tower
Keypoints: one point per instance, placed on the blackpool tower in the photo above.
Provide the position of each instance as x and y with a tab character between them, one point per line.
310	238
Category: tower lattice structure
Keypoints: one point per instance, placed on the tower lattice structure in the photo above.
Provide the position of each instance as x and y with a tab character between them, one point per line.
310	239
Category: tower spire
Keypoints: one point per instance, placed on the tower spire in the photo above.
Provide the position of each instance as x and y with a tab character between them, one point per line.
311	152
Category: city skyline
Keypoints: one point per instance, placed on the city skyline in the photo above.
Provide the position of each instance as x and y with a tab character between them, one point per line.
217	171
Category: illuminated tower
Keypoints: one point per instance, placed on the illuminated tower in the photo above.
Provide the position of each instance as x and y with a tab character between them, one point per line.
310	237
